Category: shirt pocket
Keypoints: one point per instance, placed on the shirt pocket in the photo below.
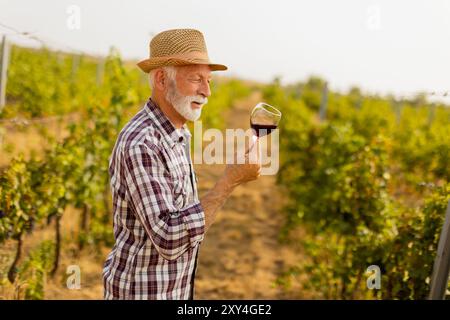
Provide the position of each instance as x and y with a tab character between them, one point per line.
180	190
179	172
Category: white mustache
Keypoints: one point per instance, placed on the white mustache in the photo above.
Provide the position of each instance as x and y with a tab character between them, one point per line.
199	99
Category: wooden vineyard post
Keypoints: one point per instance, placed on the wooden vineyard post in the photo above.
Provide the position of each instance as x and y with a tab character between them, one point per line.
441	267
100	71
75	65
324	103
3	71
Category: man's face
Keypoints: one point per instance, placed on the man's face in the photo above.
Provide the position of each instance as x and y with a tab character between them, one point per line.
190	90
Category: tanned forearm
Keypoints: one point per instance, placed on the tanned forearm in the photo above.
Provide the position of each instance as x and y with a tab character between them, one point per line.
215	199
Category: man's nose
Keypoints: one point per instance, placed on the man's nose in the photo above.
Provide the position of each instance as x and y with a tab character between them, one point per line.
205	89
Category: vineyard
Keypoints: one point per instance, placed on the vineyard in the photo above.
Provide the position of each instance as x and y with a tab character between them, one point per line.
370	182
367	179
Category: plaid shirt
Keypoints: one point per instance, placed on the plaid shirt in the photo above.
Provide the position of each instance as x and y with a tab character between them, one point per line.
159	222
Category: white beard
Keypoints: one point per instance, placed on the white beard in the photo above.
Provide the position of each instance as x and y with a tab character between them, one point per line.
182	104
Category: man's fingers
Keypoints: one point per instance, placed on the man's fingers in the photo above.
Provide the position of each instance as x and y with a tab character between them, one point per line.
252	142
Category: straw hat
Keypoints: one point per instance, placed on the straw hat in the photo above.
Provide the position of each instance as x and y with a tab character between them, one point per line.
178	47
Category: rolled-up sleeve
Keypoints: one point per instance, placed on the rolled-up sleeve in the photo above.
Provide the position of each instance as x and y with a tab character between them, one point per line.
172	230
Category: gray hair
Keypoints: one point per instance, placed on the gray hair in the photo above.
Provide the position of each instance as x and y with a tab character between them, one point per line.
170	71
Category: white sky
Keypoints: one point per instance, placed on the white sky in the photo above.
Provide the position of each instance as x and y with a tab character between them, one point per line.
382	46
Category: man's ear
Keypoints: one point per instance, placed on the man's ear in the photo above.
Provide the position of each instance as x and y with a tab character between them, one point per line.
160	80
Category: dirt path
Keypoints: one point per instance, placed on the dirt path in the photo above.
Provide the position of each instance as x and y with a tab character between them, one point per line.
240	257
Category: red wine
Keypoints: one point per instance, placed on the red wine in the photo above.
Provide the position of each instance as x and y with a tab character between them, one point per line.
263	129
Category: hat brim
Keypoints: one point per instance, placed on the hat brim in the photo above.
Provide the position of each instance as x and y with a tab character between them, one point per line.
152	63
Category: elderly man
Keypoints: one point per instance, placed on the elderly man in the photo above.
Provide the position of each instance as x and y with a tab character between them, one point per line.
159	221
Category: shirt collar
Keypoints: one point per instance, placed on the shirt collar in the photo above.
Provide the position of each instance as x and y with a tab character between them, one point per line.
168	130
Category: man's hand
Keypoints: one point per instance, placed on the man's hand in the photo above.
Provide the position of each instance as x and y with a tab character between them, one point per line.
236	174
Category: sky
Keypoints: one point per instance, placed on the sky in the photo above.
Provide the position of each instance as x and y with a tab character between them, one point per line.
398	47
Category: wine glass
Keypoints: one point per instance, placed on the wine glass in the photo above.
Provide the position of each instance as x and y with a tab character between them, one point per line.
264	119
